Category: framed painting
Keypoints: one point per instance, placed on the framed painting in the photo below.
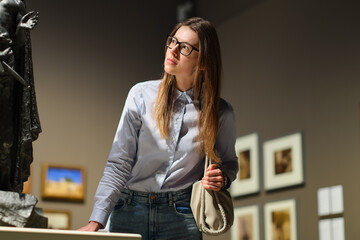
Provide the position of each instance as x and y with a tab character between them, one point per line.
332	228
247	180
280	220
58	219
27	184
65	183
283	162
246	223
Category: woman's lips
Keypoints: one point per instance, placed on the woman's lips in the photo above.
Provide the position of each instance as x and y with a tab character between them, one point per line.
171	61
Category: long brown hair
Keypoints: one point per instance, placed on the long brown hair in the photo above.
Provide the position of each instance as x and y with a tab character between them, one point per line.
207	83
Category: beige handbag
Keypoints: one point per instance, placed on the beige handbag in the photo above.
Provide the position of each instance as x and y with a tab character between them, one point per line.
213	211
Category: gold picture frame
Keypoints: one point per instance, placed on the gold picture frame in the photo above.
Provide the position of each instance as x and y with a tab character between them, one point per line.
63	183
27	184
58	219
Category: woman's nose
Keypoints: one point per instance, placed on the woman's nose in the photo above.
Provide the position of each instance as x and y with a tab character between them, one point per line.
175	50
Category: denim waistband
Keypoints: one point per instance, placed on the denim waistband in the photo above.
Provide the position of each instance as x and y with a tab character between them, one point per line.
157	198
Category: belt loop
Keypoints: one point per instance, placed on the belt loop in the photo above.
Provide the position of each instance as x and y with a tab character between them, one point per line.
130	196
170	199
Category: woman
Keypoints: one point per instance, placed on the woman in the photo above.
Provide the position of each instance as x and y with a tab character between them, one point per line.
166	128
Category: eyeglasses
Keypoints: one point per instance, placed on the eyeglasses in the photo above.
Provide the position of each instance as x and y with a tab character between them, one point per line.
184	47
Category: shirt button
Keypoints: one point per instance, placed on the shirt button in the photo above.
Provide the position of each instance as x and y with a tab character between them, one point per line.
152	197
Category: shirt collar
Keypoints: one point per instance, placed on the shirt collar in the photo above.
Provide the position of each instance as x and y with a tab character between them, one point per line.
189	94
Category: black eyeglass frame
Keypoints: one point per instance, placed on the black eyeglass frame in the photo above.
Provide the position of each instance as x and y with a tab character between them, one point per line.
179	43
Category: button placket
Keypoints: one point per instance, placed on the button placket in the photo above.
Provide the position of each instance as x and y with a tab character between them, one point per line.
179	111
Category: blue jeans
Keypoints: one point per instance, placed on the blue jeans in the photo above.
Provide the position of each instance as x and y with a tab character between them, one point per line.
156	216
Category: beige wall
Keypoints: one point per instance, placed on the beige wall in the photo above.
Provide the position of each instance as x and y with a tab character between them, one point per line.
86	57
293	66
289	66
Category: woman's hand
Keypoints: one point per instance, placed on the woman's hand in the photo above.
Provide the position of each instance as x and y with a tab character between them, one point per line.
213	179
91	227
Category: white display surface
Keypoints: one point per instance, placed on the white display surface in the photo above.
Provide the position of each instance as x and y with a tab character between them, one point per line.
12	233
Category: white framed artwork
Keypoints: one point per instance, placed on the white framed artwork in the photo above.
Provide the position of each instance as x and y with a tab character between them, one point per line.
283	162
246	223
280	220
247	179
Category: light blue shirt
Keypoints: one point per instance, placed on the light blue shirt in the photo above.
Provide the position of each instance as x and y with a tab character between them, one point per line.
140	160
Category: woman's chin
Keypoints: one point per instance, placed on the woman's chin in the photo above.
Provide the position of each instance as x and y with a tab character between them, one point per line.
169	70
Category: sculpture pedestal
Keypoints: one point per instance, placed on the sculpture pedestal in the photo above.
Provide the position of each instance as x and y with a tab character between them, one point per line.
18	210
12	233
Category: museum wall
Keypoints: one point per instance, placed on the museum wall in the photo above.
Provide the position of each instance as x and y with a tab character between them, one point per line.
290	66
86	56
293	66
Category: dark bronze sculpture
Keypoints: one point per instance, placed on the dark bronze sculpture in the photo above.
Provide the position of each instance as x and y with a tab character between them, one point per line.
19	120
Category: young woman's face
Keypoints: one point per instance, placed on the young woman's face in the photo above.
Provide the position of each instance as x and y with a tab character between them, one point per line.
183	67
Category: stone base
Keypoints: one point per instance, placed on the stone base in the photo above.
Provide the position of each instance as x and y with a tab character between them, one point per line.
18	210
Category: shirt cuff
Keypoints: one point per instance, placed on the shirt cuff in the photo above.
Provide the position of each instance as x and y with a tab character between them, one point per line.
99	216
